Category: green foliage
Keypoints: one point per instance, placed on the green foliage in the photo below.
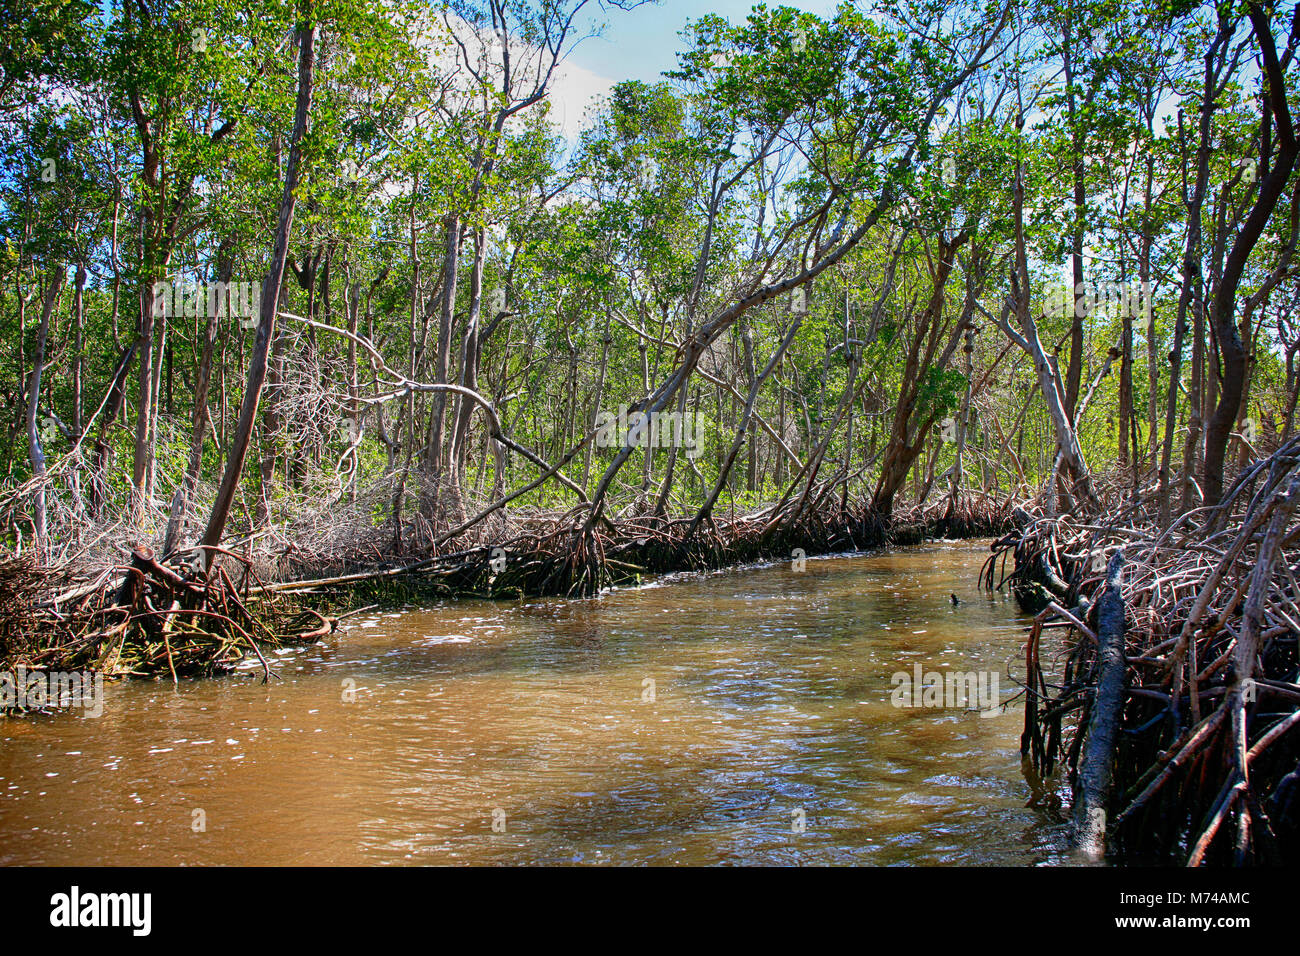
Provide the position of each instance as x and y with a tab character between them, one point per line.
588	265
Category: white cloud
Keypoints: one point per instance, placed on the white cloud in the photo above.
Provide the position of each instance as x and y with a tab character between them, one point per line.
574	91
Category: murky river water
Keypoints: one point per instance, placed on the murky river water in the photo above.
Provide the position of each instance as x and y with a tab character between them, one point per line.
737	717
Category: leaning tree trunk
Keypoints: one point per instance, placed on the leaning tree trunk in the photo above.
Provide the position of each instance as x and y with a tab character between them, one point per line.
904	445
270	299
1069	453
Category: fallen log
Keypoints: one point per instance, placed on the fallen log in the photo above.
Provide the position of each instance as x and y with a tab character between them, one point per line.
1092	800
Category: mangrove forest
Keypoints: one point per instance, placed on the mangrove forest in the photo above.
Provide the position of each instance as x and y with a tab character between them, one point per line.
559	405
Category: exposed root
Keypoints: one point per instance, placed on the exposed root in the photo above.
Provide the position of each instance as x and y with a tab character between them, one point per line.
147	618
560	555
1205	765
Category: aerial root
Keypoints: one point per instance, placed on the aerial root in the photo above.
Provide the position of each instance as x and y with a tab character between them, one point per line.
1207	751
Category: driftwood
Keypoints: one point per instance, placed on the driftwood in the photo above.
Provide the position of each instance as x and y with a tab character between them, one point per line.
1093	798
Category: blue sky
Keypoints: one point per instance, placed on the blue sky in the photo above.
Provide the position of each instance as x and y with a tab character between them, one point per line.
639	45
642	43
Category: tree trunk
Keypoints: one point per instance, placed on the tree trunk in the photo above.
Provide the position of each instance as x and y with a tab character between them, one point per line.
1069	453
1191	263
905	444
458	452
1231	350
53	286
270	297
450	266
963	423
199	429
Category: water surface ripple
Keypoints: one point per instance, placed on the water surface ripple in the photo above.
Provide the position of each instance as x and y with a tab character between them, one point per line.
734	717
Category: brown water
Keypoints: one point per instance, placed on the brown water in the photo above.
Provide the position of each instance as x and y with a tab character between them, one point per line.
769	738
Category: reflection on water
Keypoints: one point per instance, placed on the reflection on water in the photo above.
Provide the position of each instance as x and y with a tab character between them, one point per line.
737	717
